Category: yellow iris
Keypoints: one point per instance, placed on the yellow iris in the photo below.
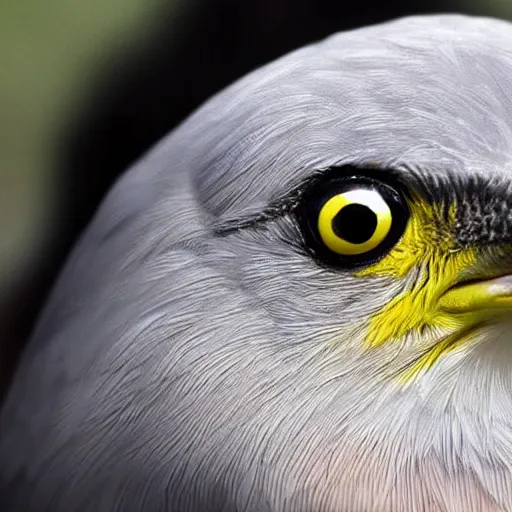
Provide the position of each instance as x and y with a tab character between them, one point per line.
370	199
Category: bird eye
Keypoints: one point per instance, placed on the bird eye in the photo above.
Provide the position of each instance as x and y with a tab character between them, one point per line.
353	221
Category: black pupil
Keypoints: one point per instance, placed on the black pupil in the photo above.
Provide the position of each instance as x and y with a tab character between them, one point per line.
355	223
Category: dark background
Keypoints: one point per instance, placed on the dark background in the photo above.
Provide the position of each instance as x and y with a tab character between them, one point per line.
149	69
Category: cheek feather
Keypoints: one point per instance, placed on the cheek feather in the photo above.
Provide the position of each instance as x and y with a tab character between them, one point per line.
429	249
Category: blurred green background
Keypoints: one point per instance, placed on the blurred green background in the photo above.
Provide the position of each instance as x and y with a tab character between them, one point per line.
48	53
51	54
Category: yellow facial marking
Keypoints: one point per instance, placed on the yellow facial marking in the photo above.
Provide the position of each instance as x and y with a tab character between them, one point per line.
428	248
417	307
366	198
428	235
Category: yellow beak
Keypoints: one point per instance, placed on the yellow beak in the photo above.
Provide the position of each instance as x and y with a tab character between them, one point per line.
485	299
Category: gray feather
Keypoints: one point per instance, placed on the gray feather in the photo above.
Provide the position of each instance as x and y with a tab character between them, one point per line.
177	370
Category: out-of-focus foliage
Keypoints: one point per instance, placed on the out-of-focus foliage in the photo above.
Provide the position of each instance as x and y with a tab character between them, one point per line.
498	8
47	50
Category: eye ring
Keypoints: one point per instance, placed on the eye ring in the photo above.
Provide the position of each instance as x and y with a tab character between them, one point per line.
352	221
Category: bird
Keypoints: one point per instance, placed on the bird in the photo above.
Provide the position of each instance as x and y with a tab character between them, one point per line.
298	301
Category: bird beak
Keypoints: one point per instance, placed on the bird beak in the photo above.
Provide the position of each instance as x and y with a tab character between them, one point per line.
483	300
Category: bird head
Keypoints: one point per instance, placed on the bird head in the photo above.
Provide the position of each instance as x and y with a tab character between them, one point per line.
361	190
359	193
301	299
